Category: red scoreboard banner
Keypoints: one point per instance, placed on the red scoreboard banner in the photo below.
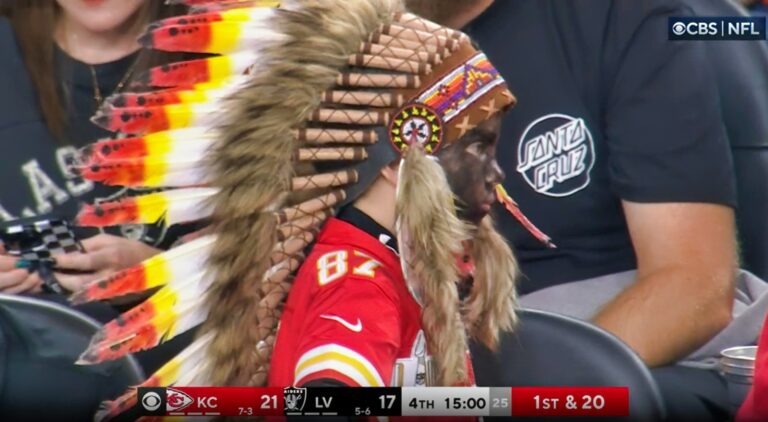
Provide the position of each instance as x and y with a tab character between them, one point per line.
570	401
406	401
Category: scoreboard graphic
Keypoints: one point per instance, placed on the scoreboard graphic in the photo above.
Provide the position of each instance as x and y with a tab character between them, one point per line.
375	402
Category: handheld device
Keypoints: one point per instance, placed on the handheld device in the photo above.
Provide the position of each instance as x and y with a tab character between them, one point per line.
37	240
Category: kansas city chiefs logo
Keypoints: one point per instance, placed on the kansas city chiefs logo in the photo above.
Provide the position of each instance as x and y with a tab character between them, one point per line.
176	400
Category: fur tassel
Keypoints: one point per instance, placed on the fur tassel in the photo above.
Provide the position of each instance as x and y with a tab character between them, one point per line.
251	167
430	235
491	305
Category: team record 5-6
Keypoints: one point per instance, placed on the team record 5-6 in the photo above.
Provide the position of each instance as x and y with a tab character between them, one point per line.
405	401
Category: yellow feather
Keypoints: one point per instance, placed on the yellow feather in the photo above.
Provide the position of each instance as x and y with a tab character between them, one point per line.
174	205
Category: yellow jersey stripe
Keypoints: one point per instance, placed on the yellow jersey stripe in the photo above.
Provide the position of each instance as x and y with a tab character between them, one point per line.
341	354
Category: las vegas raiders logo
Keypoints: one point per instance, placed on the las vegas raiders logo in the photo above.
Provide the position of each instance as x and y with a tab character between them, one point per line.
295	399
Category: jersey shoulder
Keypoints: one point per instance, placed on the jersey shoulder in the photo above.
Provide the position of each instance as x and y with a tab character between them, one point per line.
329	267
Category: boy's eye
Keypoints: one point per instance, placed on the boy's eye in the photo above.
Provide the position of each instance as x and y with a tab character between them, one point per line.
476	149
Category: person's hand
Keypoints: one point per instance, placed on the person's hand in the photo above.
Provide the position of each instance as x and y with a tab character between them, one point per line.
104	256
14	280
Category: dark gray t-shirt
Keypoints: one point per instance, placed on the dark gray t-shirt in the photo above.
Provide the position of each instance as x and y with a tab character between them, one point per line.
608	110
34	177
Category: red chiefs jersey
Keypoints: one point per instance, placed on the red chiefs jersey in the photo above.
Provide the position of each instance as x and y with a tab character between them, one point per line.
350	317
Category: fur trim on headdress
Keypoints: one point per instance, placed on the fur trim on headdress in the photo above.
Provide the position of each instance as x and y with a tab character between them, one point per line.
252	167
430	231
491	305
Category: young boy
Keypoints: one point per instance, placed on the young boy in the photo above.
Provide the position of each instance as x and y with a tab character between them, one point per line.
354	110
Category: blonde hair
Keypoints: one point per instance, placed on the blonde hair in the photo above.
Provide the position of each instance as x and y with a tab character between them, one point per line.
33	22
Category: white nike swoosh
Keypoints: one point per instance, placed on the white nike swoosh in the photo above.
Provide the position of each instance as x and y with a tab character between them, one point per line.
351	327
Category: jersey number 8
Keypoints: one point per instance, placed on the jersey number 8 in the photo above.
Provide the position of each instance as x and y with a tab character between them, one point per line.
334	265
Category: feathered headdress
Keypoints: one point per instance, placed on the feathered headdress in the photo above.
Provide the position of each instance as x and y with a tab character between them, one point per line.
294	114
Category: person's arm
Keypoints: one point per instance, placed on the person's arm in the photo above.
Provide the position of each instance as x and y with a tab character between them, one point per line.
670	163
105	255
685	280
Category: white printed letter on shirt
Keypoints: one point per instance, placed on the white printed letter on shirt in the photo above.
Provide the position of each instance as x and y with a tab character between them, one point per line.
43	187
76	185
5	215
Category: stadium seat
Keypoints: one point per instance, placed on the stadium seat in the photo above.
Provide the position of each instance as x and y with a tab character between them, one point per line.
39	343
554	350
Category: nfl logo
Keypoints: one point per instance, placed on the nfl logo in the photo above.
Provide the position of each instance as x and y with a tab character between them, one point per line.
295	398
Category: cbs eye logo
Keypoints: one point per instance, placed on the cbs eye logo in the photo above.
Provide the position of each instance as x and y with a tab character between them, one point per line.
703	28
151	401
678	28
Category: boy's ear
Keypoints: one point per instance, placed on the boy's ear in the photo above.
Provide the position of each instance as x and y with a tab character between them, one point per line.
390	172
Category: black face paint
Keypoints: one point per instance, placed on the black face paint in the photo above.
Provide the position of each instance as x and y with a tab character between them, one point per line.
472	170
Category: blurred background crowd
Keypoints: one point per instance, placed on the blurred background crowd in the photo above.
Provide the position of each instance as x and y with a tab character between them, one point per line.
660	216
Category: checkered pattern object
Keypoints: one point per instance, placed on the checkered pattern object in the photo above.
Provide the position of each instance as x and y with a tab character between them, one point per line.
52	237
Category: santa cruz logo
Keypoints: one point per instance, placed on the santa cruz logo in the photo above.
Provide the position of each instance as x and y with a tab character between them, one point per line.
556	154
